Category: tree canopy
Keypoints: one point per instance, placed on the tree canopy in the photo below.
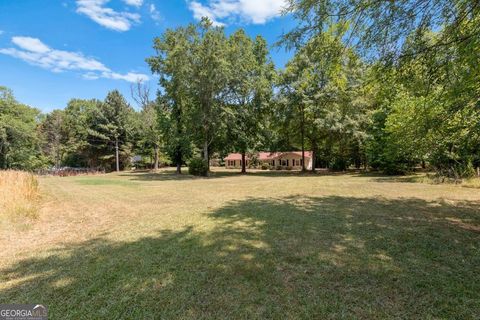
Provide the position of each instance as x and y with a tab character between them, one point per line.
381	85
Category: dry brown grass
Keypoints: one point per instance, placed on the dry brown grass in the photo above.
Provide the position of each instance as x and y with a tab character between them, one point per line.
19	194
471	183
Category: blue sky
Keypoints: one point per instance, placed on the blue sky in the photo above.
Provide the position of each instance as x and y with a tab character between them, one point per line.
52	51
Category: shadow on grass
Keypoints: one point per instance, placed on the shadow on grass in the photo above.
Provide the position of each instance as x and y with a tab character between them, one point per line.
169	174
296	257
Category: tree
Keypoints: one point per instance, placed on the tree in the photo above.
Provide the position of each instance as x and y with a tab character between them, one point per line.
174	102
319	92
381	27
80	150
193	73
208	79
19	142
52	134
111	126
249	90
150	133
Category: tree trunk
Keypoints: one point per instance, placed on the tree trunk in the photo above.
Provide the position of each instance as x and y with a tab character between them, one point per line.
303	159
179	168
155	149
314	156
117	157
205	155
178	159
244	169
303	141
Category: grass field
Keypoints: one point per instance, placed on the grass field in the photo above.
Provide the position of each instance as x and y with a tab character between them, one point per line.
264	245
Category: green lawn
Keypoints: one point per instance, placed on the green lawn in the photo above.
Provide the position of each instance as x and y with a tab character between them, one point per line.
265	245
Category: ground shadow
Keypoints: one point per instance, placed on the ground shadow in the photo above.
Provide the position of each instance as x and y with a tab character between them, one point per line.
296	257
169	174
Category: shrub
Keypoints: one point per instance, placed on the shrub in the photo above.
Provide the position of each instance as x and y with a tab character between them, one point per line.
456	172
265	166
19	194
198	167
278	168
289	168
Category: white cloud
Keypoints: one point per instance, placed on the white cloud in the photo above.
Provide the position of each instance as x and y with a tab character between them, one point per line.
154	13
107	17
249	11
35	52
130	76
135	3
30	44
1	32
200	11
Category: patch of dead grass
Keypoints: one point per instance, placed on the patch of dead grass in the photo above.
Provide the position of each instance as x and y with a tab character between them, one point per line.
19	195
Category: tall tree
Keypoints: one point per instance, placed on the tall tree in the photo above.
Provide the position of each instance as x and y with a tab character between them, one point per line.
193	73
380	27
248	93
173	65
112	125
209	76
52	135
79	148
319	97
19	142
150	133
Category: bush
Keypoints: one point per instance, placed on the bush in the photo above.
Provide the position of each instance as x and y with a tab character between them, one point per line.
289	168
265	166
198	167
278	168
455	172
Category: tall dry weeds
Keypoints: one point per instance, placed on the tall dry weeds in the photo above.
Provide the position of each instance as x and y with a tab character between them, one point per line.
19	194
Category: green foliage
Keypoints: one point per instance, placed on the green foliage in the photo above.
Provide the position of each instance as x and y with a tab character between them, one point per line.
411	99
321	100
379	28
198	167
249	91
110	129
422	83
51	132
19	141
214	89
173	105
265	166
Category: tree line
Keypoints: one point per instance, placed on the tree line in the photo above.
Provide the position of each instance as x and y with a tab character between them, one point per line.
378	85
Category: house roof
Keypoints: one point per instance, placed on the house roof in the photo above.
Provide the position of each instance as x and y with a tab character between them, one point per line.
235	156
268	155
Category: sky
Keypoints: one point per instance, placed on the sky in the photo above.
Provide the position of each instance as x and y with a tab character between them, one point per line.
52	51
